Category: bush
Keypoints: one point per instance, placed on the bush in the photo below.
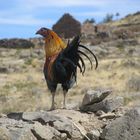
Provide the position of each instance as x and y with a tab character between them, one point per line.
108	18
16	43
120	45
92	20
133	83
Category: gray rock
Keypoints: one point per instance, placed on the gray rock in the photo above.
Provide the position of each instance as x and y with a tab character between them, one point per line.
16	129
15	115
124	128
11	129
4	133
31	116
113	103
21	133
100	112
92	96
62	124
11	122
42	117
45	132
107	105
63	136
3	69
108	115
94	134
93	108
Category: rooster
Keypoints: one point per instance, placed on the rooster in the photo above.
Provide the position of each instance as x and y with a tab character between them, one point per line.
62	61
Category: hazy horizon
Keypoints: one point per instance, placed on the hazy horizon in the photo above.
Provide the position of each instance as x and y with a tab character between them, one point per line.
22	18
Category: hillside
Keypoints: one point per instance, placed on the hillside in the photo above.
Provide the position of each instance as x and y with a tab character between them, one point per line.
131	19
23	90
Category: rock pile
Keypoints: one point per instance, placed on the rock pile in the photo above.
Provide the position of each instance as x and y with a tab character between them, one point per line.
58	125
104	123
95	100
124	128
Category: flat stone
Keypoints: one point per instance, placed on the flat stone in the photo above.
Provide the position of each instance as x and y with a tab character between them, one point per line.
45	132
42	117
15	115
60	123
66	126
21	133
107	105
108	115
92	96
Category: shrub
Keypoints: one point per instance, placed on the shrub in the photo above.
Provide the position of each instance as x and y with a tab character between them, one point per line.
108	18
133	84
16	43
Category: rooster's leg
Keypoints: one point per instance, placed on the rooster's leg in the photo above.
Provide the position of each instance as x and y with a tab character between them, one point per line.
53	102
64	102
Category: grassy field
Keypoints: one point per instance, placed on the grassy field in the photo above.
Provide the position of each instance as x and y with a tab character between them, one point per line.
26	90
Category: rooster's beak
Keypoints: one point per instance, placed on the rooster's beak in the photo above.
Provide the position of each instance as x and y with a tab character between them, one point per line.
38	32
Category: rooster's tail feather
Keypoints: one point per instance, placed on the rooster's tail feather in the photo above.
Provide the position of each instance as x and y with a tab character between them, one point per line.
72	54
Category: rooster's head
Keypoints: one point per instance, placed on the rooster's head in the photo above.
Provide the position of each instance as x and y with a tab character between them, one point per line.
43	31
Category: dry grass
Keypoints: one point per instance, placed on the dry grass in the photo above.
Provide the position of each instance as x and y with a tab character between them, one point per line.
131	19
27	91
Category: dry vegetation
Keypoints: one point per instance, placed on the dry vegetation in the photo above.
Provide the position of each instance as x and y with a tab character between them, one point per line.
23	87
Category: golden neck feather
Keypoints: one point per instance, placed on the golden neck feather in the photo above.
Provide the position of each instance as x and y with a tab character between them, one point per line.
53	44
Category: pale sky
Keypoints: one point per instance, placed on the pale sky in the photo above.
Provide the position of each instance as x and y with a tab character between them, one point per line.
22	18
